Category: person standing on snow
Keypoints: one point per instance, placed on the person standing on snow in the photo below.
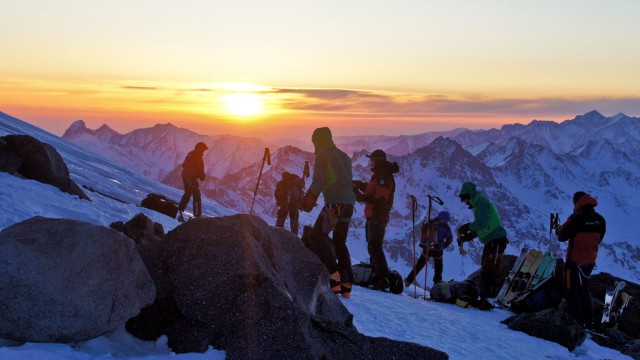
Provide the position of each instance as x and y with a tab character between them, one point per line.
433	249
281	195
192	170
377	196
486	226
296	196
584	229
332	176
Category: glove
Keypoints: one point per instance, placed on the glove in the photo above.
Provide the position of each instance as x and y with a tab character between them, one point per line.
309	201
468	236
464	228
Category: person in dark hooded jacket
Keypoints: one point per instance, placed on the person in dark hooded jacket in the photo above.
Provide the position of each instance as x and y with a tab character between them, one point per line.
332	176
192	170
584	230
377	196
433	250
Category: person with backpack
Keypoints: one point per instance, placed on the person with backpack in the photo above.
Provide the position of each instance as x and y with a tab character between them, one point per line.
281	194
436	236
295	184
377	196
584	231
487	227
192	170
332	176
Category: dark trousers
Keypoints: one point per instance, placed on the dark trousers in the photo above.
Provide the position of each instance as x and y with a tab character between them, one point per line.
374	231
191	188
293	213
336	218
436	255
491	259
578	296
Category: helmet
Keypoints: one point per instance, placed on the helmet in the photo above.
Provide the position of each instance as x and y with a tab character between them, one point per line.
201	146
377	155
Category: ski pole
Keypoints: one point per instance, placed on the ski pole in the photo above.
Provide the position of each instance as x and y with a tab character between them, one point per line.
414	207
266	157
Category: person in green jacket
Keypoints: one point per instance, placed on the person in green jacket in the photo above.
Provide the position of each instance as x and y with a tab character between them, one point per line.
486	226
332	176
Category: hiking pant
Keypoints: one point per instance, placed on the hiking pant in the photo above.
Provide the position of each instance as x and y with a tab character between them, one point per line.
191	187
293	213
374	231
491	259
437	256
336	218
577	294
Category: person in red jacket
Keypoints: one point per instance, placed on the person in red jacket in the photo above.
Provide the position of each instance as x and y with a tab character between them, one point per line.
377	196
584	230
192	170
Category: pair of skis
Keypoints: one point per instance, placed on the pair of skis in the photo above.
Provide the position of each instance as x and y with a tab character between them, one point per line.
615	300
530	269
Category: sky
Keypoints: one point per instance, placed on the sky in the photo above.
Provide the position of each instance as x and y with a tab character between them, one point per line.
281	68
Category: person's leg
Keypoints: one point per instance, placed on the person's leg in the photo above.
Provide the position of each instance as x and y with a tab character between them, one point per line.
572	294
375	238
422	261
188	191
340	233
437	266
282	216
197	198
322	248
293	219
491	259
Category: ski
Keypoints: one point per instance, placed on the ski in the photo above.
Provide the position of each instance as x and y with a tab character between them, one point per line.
542	269
507	282
521	280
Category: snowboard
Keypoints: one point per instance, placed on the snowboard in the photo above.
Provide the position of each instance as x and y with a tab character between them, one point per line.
610	300
500	298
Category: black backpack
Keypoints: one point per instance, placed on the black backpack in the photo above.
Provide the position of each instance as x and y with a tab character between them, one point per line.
545	295
363	272
161	204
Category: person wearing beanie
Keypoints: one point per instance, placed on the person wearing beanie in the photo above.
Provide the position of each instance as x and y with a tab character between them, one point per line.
584	231
487	227
377	196
439	231
192	170
332	177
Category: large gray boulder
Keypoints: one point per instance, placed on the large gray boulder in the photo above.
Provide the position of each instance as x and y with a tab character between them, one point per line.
549	324
27	157
255	292
68	281
140	229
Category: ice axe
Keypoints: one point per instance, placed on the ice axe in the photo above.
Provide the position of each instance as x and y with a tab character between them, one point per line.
459	240
266	157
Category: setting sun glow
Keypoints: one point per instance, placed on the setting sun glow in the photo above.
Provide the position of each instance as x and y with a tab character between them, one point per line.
242	104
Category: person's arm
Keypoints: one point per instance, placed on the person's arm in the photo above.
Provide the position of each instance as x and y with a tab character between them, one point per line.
481	218
200	167
319	176
448	236
567	230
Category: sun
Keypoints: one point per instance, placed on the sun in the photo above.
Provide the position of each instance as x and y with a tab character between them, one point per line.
242	104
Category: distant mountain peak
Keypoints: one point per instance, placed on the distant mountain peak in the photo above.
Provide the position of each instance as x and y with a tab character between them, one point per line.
76	127
592	116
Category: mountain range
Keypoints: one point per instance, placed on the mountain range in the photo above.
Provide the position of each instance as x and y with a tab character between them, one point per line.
528	171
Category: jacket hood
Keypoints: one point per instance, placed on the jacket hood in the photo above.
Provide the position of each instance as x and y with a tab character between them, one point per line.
468	188
444	216
322	139
585	200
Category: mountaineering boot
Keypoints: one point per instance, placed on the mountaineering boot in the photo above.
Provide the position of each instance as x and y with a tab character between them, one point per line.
484	304
334	282
345	290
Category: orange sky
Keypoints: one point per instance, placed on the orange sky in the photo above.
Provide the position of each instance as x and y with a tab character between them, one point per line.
281	69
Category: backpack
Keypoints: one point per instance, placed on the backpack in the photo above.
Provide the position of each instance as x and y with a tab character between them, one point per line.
545	295
281	193
160	204
430	235
451	291
363	272
296	193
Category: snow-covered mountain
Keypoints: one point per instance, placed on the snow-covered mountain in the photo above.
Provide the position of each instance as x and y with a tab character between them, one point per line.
156	151
459	332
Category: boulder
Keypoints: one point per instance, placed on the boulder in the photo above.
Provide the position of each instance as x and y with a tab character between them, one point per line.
140	229
551	325
26	156
254	291
68	281
633	350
